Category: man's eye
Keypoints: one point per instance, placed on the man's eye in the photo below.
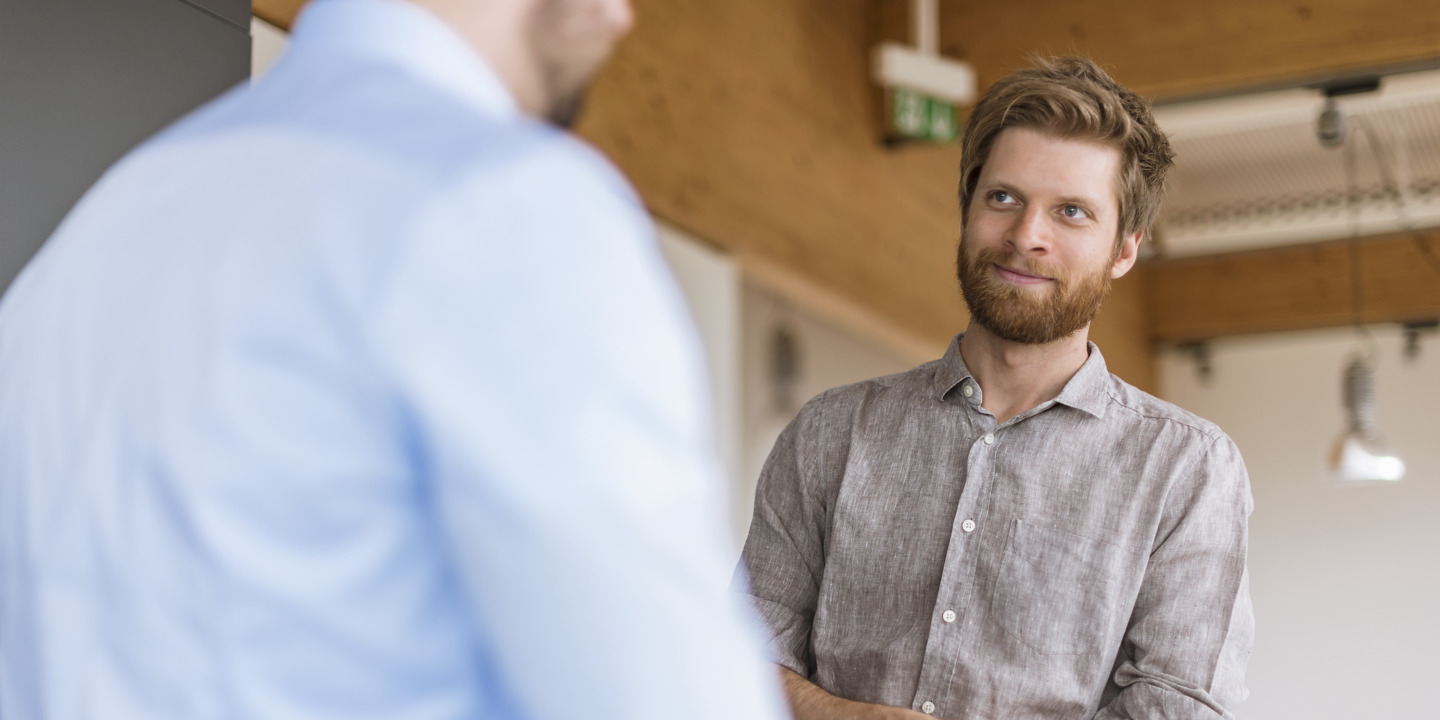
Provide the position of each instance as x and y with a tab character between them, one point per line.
1000	196
1073	211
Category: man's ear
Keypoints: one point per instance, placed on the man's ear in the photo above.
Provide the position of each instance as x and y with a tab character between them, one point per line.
1126	254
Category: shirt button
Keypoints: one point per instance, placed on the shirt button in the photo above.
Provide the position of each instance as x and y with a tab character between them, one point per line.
990	439
969	391
968	525
948	616
927	707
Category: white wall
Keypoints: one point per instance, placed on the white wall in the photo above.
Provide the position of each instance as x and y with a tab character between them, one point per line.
711	284
829	356
267	42
1345	579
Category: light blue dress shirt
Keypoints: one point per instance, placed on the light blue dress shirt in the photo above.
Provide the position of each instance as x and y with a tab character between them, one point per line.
358	394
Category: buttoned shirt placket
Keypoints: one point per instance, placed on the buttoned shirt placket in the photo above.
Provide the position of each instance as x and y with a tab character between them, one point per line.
952	619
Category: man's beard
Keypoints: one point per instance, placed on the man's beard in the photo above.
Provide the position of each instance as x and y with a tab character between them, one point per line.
565	110
568	57
1021	315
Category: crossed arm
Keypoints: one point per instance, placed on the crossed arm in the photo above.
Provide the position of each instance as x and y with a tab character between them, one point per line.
809	702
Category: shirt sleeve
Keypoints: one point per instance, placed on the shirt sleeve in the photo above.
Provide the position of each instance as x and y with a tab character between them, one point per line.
1189	639
785	550
553	387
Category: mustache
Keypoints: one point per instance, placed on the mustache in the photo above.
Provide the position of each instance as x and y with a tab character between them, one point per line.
1011	260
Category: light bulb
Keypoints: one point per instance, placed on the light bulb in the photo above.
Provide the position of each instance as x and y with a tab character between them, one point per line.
1360	454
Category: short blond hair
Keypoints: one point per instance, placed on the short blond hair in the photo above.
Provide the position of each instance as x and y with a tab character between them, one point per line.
1072	98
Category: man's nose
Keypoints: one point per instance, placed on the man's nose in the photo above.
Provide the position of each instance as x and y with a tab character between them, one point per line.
1030	235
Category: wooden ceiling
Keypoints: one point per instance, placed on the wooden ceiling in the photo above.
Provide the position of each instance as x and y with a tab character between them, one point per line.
280	13
1395	278
1170	50
752	124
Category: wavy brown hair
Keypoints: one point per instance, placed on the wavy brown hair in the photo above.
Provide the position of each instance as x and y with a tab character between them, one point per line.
1072	98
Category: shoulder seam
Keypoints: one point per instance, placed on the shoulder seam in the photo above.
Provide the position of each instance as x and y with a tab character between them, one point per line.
1211	435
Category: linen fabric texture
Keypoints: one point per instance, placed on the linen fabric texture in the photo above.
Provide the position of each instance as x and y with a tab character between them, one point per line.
359	394
1084	559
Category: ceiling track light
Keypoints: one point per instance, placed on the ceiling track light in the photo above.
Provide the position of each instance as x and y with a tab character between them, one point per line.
1330	126
1413	331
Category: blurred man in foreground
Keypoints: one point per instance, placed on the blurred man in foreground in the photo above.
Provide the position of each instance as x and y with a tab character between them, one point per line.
365	393
1011	531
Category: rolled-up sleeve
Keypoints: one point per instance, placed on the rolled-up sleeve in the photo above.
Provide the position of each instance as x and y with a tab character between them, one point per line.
1189	638
785	550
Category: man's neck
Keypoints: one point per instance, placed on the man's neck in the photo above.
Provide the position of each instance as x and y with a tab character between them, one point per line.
1015	377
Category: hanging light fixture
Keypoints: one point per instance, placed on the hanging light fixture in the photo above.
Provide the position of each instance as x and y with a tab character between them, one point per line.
1360	455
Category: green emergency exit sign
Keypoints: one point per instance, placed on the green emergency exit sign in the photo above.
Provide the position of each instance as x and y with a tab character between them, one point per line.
917	116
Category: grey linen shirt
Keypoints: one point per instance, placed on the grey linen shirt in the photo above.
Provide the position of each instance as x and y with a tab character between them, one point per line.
1085	559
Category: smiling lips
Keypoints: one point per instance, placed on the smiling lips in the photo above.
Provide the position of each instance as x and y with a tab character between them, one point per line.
1017	277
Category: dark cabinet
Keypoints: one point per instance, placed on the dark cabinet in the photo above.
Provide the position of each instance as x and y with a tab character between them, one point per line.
235	12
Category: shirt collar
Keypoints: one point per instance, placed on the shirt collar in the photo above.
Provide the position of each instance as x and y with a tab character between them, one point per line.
1087	390
406	35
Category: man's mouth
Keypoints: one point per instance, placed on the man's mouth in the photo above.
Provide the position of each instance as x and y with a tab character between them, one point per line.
1019	277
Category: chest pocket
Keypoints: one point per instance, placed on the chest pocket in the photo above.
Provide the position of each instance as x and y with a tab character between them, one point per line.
1055	591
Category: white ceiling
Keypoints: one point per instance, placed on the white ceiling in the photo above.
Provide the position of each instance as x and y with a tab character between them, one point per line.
1250	171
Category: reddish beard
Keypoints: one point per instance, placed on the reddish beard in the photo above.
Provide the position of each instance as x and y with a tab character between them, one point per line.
1023	315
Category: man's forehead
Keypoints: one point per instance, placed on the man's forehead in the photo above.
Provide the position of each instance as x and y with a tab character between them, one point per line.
1040	161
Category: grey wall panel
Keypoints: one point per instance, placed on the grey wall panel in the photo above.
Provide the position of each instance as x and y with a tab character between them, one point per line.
235	12
82	82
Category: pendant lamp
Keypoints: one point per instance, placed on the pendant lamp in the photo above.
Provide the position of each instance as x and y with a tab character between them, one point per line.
1360	454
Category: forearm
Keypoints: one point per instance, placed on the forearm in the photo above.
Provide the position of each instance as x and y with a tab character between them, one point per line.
809	702
1192	628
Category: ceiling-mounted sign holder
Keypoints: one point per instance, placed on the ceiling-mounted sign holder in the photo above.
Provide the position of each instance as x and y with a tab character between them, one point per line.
922	89
1200	353
1413	331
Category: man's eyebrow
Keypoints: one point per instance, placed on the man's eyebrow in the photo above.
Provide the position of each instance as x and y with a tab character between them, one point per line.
1080	200
1001	185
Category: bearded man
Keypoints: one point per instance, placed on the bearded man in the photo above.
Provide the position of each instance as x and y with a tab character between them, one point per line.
290	424
1011	531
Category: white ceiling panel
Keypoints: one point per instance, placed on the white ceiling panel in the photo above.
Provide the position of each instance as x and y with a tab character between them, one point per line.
1250	171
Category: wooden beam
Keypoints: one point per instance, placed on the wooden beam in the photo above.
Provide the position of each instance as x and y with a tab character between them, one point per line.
753	124
1178	49
280	13
1295	288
